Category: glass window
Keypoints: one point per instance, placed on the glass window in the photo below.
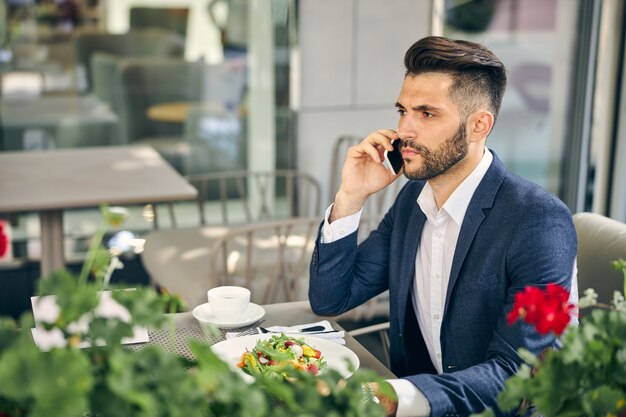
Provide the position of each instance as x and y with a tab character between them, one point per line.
96	73
536	40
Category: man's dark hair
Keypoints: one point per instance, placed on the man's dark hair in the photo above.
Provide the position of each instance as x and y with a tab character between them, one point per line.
479	76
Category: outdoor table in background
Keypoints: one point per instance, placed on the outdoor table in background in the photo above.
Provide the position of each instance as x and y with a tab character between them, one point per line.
178	111
51	181
174	112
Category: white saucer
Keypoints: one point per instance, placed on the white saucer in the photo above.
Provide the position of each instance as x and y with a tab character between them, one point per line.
204	314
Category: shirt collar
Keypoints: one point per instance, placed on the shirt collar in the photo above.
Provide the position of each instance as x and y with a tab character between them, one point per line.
426	201
459	200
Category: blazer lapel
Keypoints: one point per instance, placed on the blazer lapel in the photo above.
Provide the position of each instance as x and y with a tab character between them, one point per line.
409	250
483	198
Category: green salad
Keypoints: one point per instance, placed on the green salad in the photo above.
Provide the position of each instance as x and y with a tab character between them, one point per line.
273	355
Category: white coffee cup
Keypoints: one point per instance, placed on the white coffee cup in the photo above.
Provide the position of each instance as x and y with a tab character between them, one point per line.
229	303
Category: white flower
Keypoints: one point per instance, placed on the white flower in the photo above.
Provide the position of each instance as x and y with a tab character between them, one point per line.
589	298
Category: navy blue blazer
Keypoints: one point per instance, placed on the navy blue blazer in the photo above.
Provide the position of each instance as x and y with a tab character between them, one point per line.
514	234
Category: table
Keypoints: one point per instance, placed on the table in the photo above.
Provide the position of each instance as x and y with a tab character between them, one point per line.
174	112
275	314
51	181
177	111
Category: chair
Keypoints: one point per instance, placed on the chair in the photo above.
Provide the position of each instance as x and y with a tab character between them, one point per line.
178	258
270	258
382	330
339	153
104	76
147	81
173	19
243	197
216	129
144	82
210	136
601	240
136	43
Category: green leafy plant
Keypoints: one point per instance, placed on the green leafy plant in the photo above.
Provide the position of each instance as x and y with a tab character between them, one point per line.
111	380
586	377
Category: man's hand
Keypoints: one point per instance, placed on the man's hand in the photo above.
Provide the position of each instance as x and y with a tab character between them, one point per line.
363	173
386	397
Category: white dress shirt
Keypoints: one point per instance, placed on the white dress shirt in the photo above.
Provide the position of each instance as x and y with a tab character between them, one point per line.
435	253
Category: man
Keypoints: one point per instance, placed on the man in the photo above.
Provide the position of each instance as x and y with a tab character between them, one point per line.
459	241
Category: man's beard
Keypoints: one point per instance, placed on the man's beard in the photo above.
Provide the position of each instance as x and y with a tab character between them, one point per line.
437	162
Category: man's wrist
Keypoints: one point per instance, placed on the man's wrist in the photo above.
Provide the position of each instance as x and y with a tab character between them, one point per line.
345	205
411	401
386	396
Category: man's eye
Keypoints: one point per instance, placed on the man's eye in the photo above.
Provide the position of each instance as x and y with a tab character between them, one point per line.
401	112
427	115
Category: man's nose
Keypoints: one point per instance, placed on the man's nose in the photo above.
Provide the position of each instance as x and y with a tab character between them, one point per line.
406	129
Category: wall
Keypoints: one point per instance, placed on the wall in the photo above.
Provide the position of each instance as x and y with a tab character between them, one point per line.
351	70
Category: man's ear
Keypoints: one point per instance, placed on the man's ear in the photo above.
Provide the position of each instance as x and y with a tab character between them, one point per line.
480	125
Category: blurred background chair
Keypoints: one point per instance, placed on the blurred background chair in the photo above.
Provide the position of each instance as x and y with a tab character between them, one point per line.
243	197
152	42
178	258
376	338
104	76
601	241
271	259
170	18
144	82
215	129
342	143
192	113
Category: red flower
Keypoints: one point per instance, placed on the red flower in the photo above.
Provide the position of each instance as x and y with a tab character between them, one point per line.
527	305
4	241
548	310
557	292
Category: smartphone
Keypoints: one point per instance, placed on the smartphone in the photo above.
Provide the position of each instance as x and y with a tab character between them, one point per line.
393	159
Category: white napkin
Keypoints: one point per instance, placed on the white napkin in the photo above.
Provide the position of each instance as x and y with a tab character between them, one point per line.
337	337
